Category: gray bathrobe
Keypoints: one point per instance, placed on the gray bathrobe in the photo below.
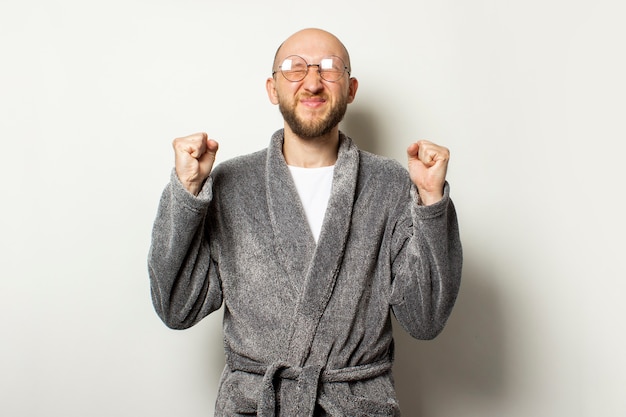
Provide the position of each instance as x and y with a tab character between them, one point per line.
307	328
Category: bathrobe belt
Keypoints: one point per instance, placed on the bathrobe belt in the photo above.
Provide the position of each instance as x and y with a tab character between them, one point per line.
308	379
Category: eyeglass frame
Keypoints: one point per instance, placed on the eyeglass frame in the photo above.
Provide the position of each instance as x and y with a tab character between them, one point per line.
318	65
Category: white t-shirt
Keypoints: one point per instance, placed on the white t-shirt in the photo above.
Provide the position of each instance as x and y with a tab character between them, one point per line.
314	186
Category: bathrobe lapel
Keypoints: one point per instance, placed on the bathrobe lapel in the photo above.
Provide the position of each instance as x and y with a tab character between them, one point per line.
313	268
293	240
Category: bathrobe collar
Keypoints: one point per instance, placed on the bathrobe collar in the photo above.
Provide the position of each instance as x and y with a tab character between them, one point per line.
313	268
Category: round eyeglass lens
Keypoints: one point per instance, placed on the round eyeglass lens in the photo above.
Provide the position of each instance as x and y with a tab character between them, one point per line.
294	68
331	68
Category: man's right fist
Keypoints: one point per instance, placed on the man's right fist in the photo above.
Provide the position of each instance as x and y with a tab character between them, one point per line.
195	155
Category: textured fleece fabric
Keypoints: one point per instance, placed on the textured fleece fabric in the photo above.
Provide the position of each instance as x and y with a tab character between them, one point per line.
307	327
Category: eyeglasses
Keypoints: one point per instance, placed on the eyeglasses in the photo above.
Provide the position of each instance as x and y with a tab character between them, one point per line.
294	68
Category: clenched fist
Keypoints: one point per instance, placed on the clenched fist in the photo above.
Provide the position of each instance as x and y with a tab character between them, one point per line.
195	155
428	164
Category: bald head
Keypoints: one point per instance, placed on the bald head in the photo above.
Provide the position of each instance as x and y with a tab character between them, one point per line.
310	44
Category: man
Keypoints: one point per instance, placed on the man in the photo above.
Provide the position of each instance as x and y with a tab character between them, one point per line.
310	245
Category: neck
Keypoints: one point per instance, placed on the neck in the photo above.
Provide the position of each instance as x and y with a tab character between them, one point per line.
311	152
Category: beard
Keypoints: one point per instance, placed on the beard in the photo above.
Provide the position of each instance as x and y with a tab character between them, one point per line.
310	129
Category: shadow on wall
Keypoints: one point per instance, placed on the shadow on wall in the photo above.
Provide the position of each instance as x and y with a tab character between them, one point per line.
467	362
359	125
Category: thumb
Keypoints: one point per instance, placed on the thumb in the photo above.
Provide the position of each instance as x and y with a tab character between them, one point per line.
212	146
207	159
413	151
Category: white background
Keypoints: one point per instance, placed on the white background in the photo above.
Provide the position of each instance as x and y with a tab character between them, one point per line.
528	95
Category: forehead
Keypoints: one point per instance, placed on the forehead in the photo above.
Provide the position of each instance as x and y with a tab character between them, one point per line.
311	45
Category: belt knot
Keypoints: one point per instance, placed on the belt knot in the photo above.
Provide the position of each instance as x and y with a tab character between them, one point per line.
308	379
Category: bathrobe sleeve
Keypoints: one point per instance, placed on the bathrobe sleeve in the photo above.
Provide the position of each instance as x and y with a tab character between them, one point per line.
184	283
426	266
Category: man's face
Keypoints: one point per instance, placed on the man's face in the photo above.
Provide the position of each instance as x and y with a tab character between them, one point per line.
312	107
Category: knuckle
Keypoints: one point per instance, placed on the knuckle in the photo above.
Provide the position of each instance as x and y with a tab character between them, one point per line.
176	143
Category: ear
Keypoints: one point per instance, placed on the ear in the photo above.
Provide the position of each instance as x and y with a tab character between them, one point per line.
270	86
352	87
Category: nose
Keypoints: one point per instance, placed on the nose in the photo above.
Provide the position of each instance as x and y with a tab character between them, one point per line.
313	80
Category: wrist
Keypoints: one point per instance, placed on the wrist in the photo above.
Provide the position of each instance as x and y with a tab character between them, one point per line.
427	199
193	187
